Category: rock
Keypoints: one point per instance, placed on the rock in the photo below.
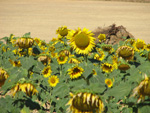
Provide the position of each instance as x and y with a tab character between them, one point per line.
113	33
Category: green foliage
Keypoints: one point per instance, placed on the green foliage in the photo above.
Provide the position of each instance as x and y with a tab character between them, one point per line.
116	98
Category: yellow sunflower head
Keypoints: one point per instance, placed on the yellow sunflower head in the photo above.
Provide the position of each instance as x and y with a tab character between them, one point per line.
101	37
15	63
142	90
99	56
27	88
53	80
109	82
44	59
148	47
62	59
63	31
24	42
125	52
75	72
139	45
82	41
3	76
46	71
85	103
107	67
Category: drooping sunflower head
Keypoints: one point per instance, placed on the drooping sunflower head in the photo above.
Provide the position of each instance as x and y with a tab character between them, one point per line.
130	41
66	52
63	31
52	48
75	72
101	37
107	67
125	52
27	88
109	82
123	66
142	90
62	58
139	45
24	42
44	59
107	48
53	80
85	103
46	71
82	41
3	76
74	61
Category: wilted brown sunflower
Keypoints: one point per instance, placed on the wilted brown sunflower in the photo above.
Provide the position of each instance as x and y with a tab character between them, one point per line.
3	76
142	90
44	59
24	42
125	52
27	88
85	103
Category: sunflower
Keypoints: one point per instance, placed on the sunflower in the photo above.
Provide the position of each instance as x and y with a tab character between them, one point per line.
75	72
15	63
139	45
107	67
27	88
3	76
24	42
63	31
82	41
123	66
131	41
66	52
101	37
148	47
125	52
52	48
142	90
109	82
47	71
99	57
44	59
85	103
74	61
62	59
107	48
53	80
94	72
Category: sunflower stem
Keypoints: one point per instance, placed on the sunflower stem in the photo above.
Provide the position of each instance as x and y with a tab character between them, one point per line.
60	69
85	58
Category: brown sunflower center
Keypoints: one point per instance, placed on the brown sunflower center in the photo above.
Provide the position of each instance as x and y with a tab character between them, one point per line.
124	67
53	80
108	82
108	67
61	58
140	45
76	70
46	71
82	40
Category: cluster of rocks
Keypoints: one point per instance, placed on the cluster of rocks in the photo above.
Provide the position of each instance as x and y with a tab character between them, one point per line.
113	33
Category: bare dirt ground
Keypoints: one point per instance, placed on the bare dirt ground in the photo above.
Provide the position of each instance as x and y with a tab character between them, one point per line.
43	17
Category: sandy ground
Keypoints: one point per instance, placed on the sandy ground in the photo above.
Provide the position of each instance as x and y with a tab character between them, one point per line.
43	17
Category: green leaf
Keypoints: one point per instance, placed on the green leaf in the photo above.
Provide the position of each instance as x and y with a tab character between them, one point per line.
123	89
27	35
61	90
144	109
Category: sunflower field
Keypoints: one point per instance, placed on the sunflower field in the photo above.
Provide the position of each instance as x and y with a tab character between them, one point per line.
74	74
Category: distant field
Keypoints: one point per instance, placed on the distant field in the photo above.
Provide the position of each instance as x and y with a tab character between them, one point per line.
142	1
